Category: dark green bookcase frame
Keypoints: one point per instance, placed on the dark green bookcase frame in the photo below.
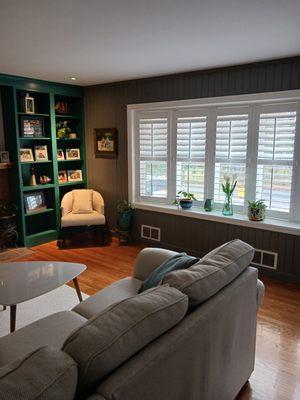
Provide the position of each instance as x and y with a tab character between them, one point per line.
42	226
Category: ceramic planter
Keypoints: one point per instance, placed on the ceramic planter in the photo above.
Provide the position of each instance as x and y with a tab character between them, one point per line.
185	203
124	220
256	214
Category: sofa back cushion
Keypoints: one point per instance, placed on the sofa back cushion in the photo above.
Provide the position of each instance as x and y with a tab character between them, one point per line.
117	333
214	271
47	373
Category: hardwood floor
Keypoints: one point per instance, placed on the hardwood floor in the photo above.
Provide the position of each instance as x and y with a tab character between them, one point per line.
277	371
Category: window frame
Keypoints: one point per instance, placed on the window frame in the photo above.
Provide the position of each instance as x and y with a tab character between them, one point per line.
210	107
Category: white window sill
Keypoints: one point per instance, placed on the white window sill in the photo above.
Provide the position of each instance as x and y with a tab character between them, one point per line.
269	224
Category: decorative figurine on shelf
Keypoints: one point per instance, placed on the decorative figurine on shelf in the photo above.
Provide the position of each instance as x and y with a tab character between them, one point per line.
61	107
32	181
29	104
62	129
44	179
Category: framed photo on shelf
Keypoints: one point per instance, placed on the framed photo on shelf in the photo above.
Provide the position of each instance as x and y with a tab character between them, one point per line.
34	201
41	153
106	143
26	155
32	126
75	175
72	154
4	156
62	176
60	154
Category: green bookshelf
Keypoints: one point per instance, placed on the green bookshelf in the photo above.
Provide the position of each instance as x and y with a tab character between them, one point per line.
43	225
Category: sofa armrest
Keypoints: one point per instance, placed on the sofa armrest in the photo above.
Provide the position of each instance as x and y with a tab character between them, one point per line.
260	293
149	259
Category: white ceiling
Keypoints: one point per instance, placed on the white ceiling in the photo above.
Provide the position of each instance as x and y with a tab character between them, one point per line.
102	41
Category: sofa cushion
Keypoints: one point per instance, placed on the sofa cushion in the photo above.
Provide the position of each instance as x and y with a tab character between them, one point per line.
114	293
82	201
46	373
116	334
52	330
214	271
179	261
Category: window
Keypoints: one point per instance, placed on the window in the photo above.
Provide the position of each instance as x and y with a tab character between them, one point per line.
190	155
190	145
153	155
231	153
275	159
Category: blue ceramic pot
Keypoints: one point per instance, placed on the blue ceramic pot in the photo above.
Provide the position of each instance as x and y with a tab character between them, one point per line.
124	220
185	203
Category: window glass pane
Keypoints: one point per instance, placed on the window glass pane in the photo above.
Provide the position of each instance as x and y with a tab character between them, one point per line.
277	136
190	178
223	169
274	186
153	178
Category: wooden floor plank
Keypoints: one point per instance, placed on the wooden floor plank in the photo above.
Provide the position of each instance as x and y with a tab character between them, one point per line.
277	370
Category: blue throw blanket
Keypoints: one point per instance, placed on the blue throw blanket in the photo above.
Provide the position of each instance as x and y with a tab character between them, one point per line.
179	261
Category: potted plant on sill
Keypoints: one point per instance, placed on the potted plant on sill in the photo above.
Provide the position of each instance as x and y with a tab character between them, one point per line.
228	188
184	199
256	210
124	214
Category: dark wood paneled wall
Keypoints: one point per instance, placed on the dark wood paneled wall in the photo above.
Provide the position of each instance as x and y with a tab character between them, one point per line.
105	107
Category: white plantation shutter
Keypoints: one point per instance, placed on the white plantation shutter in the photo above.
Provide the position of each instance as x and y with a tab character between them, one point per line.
231	154
153	156
276	143
190	154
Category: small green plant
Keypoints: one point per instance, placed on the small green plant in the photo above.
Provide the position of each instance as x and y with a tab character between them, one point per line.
229	185
62	129
186	195
256	210
123	206
185	199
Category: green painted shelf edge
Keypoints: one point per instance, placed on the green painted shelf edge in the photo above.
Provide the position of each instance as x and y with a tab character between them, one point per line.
36	162
34	115
75	159
71	183
41	237
67	116
38	187
34	138
30	214
68	139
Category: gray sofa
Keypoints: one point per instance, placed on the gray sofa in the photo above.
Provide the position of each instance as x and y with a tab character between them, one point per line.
191	338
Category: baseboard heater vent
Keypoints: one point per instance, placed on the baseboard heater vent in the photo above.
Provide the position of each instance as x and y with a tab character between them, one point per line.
264	258
150	232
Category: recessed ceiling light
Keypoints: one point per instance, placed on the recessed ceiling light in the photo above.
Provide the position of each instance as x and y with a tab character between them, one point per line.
72	78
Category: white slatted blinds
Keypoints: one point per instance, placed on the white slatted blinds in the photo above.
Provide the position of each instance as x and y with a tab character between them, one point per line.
231	154
153	155
275	159
190	154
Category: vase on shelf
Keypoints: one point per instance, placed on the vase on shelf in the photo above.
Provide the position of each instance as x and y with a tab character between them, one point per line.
227	206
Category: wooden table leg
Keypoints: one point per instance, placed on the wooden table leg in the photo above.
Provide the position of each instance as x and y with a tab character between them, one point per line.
13	314
76	284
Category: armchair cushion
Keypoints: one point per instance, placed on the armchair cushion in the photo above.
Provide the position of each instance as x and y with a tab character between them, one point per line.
82	201
72	219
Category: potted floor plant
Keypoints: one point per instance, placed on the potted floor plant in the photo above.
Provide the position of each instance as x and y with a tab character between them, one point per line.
124	214
184	199
256	210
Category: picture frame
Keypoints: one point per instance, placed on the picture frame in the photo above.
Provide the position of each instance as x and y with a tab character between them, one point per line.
62	176
32	126
34	201
72	154
74	175
26	155
106	143
29	104
60	154
4	157
41	153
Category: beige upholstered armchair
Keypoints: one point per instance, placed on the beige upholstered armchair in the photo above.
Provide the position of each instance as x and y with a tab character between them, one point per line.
82	209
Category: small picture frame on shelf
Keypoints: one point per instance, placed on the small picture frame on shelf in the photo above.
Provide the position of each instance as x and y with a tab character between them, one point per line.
29	104
26	155
72	154
60	154
34	201
4	157
32	126
106	143
62	177
75	175
41	153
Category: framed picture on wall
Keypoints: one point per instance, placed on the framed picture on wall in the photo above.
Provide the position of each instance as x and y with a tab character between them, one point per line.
4	156
106	143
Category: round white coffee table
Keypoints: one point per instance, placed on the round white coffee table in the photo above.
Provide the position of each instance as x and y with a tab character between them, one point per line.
22	281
